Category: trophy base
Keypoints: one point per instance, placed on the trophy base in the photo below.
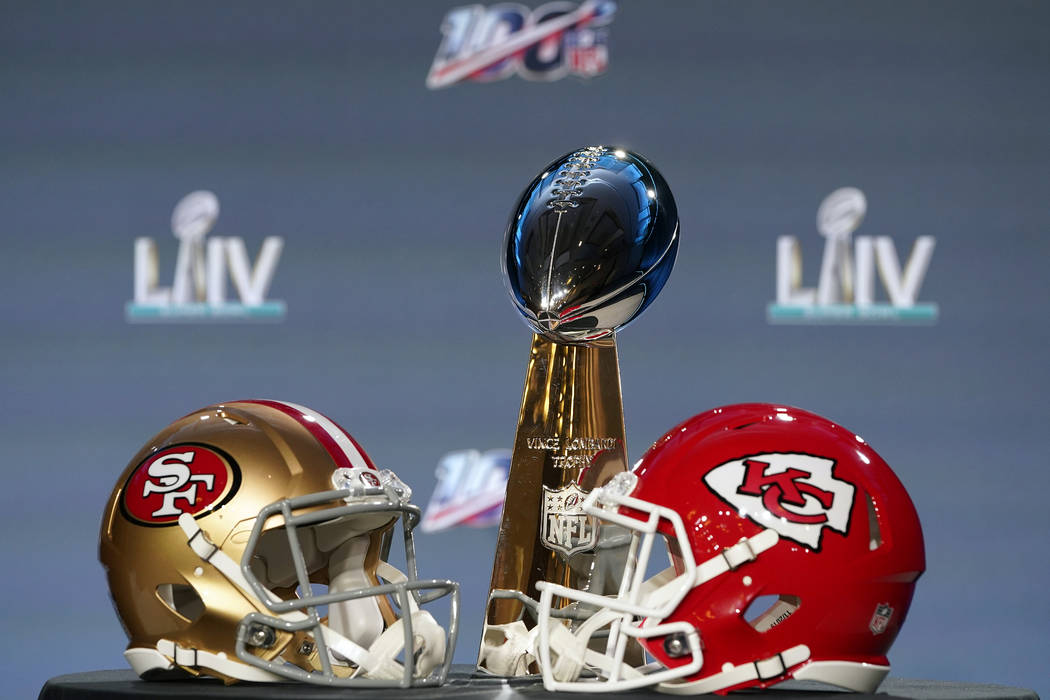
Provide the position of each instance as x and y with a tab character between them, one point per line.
569	440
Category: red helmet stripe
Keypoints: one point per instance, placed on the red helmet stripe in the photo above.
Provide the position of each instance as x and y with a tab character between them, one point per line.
344	450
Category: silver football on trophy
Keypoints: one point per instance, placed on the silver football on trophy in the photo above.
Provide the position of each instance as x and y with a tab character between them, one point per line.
195	215
590	244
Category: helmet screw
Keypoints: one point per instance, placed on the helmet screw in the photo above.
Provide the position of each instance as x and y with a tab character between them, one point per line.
306	648
675	645
261	636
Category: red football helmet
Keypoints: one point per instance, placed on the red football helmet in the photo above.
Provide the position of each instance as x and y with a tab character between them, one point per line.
793	552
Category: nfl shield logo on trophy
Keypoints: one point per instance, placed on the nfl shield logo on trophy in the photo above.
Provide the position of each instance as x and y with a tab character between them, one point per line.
566	528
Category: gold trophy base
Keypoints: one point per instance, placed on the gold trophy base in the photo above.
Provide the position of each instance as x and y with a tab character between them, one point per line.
570	439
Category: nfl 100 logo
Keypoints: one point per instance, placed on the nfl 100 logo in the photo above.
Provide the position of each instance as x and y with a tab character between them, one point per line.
557	39
471	487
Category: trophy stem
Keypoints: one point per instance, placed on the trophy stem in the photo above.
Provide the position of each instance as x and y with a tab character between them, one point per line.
570	439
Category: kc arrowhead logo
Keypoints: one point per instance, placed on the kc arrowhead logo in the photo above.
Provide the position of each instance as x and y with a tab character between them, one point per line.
795	494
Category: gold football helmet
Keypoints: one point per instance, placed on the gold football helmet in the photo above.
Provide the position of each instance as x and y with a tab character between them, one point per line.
222	532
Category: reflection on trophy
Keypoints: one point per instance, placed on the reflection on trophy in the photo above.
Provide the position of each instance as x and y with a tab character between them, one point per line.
588	246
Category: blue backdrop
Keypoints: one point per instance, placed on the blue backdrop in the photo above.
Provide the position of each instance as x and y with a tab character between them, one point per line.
311	121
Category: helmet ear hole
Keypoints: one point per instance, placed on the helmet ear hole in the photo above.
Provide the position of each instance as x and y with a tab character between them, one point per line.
181	600
767	611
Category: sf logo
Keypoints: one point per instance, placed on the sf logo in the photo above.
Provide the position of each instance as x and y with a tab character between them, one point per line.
781	489
183	478
175	482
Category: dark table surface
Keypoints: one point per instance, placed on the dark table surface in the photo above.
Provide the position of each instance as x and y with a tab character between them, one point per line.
464	684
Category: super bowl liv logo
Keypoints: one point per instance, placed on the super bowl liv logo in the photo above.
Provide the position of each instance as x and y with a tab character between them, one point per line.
198	290
492	43
845	292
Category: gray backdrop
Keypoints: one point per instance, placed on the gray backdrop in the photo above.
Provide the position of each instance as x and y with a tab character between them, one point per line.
311	121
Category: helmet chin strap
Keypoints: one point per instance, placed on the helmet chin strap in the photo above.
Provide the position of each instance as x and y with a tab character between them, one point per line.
574	653
428	638
358	619
377	661
655	598
730	675
508	649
